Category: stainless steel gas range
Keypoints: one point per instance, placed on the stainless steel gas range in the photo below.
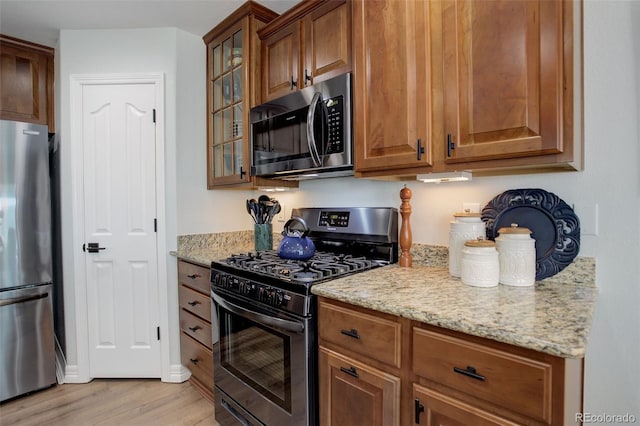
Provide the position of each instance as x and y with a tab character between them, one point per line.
265	318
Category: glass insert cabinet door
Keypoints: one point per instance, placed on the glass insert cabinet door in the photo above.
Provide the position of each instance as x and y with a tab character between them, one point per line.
227	110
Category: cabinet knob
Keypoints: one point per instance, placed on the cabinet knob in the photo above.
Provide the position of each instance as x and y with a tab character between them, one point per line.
307	77
193	276
420	149
351	333
194	329
194	303
293	83
194	360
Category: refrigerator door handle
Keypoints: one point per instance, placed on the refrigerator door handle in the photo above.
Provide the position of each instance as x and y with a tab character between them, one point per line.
16	300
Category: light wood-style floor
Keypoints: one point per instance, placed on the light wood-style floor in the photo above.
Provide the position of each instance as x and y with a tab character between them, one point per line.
111	402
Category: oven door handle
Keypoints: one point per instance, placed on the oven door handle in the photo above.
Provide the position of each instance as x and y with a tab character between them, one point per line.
293	326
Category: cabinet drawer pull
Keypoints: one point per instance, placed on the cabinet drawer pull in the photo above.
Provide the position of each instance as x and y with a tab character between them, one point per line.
294	83
350	371
194	360
469	371
194	303
351	333
194	276
450	144
194	329
418	408
420	149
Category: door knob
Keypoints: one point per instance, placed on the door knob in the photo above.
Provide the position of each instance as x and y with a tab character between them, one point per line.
92	247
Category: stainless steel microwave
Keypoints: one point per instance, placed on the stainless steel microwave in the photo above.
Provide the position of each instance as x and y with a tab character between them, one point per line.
306	134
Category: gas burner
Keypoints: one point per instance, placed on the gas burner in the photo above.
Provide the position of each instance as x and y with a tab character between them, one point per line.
323	265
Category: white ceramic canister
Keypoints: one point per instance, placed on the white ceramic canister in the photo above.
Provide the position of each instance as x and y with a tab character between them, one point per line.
479	266
517	255
466	226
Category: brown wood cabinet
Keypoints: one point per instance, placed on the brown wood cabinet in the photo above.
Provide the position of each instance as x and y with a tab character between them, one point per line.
393	105
233	87
309	43
377	368
26	82
485	86
359	361
196	349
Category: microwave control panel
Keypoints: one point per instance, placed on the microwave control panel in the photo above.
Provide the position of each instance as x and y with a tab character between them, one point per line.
335	120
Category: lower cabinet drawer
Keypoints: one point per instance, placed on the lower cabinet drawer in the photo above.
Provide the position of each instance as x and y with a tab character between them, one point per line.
368	335
194	276
194	302
434	408
198	359
515	382
196	328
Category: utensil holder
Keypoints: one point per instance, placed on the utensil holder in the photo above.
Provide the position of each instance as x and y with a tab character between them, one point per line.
263	236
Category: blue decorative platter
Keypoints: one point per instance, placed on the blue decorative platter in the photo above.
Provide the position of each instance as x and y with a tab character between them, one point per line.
552	222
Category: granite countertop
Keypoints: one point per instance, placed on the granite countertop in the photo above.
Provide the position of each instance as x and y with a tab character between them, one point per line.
554	316
549	317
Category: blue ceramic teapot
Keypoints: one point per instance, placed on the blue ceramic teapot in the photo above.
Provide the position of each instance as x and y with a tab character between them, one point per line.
295	244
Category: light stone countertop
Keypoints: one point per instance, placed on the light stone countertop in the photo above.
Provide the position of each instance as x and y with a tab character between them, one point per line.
548	317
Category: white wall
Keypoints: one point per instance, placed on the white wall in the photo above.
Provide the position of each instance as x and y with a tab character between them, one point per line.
610	180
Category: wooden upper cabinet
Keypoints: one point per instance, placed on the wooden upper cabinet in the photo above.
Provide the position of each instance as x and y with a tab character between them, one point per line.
392	84
26	82
307	44
281	69
503	78
233	87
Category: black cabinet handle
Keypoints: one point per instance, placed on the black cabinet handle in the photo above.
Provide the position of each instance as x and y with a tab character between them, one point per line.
470	372
293	83
194	329
450	145
418	408
350	371
194	360
193	276
307	77
242	172
420	149
351	333
194	303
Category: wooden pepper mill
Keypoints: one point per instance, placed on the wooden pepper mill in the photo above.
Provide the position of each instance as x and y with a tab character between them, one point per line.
405	228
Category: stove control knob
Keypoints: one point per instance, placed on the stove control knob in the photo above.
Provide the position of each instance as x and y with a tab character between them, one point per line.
278	299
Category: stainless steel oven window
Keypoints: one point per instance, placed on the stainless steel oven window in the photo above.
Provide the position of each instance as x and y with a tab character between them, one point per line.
257	354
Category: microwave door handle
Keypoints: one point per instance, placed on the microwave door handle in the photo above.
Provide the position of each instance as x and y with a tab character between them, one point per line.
293	326
311	139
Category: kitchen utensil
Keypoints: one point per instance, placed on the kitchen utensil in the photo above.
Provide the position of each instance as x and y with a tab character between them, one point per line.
295	244
517	256
250	211
553	224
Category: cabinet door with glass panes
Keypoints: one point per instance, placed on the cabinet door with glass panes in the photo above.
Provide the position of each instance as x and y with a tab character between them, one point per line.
228	109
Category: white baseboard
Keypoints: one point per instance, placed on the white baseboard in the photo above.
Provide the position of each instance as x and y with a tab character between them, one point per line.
177	374
61	362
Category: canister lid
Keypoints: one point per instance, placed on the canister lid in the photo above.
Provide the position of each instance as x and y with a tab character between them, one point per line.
514	229
479	243
467	213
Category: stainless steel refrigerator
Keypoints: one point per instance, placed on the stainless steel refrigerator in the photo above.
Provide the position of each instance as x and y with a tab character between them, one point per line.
27	353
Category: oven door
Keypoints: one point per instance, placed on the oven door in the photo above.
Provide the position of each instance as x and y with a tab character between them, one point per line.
261	363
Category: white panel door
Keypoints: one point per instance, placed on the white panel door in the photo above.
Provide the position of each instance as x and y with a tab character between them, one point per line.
118	133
